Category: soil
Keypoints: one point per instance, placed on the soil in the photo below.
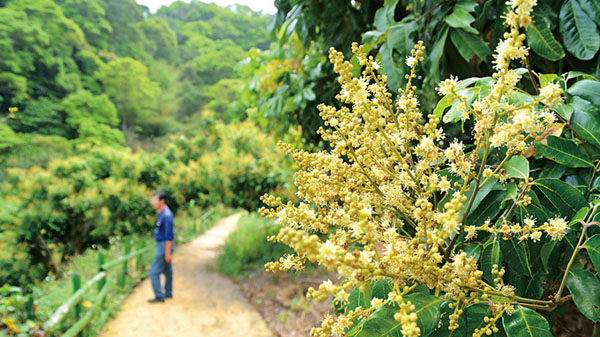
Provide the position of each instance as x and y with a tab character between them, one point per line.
281	300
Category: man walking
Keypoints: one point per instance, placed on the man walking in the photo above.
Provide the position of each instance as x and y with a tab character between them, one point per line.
165	244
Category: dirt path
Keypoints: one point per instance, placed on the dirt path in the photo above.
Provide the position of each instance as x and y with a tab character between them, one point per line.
204	303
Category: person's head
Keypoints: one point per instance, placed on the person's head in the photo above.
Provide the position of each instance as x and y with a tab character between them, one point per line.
159	199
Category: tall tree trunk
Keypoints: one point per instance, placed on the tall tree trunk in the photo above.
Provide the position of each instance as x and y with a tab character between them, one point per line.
40	251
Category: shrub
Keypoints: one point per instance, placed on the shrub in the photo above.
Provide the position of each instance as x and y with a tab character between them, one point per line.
247	249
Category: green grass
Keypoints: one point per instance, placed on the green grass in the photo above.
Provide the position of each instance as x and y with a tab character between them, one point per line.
247	249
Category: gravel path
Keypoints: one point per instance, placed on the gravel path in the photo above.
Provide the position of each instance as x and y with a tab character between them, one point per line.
204	303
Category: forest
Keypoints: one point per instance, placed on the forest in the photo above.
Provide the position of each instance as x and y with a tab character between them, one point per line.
440	157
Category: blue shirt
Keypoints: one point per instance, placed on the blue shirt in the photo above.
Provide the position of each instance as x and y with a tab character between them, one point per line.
164	225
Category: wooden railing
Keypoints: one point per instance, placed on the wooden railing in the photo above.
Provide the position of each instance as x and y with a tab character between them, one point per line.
104	284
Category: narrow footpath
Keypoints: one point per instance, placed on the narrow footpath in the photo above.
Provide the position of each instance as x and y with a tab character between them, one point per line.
204	303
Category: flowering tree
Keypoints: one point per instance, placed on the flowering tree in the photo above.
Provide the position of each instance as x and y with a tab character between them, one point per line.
436	236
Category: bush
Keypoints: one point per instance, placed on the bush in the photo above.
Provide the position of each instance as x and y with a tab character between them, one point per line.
247	249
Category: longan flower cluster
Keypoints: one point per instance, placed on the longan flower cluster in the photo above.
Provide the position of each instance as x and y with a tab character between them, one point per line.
555	228
388	200
499	120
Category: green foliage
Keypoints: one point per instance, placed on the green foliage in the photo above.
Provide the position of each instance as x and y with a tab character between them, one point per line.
91	18
53	50
247	249
126	82
459	36
160	40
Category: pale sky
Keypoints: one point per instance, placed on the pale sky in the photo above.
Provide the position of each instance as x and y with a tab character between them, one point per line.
266	6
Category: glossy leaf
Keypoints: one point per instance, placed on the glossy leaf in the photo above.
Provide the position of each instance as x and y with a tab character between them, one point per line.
490	255
587	89
579	32
382	322
585	288
547	249
359	298
474	316
541	40
560	197
399	37
382	288
525	322
442	330
469	44
564	151
517	167
592	245
515	256
461	18
442	105
592	7
487	210
586	121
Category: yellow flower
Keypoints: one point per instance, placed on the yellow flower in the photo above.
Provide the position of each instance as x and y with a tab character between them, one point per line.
551	94
10	323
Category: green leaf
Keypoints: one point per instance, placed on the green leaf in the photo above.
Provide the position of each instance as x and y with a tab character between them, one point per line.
546	79
394	73
383	17
592	245
547	249
593	8
579	32
559	196
515	256
475	314
585	288
372	36
586	121
427	308
382	288
469	44
382	322
466	5
435	55
565	111
564	151
541	40
580	215
473	250
517	167
460	18
399	37
525	322
454	114
490	256
442	330
586	89
359	298
442	105
491	185
489	208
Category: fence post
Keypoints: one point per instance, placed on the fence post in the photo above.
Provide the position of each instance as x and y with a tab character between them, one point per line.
124	270
191	207
30	315
76	280
139	262
101	260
